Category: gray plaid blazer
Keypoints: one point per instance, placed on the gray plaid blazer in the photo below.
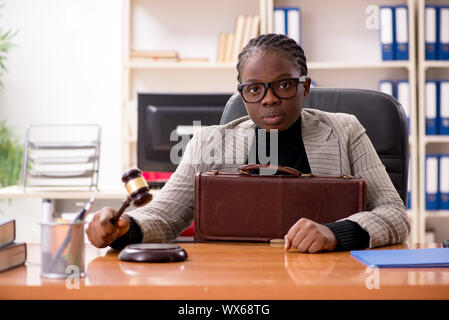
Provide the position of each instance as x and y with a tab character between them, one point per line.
335	143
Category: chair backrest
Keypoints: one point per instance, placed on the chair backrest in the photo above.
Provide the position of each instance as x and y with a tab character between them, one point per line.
382	116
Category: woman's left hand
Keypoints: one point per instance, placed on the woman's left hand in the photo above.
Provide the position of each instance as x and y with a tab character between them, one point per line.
309	236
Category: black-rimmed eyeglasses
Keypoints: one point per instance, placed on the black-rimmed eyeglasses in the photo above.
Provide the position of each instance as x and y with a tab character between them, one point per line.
283	89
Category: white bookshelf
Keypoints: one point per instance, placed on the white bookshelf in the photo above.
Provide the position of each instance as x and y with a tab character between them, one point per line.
431	69
350	56
341	52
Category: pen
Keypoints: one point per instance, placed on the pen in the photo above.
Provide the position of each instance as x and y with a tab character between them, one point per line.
85	210
79	217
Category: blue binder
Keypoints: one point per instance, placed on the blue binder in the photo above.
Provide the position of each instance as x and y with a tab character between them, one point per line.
293	23
403	96
432	97
387	86
431	184
279	21
444	182
407	258
443	31
409	190
401	32
387	34
431	32
443	114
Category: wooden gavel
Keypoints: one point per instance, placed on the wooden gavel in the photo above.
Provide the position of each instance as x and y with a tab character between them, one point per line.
138	192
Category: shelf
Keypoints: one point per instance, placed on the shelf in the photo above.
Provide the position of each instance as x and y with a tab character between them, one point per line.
132	64
436	139
358	65
436	64
178	65
437	214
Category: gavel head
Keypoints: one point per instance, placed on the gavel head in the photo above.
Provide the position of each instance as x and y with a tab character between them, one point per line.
137	187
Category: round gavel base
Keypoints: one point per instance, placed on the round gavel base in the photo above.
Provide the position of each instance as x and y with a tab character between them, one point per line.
153	252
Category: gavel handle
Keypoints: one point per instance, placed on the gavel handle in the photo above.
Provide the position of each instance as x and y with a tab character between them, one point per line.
125	204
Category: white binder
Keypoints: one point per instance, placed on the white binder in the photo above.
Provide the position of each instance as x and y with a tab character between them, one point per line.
401	29
386	32
444	107
444	182
443	43
279	21
404	96
431	182
294	24
431	107
386	86
431	32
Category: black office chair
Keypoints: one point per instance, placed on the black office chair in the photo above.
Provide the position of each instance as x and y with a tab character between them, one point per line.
382	116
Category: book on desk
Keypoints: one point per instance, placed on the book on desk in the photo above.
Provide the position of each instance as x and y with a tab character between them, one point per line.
12	253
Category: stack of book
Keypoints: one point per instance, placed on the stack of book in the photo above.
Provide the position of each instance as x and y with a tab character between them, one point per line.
231	44
12	253
161	56
154	56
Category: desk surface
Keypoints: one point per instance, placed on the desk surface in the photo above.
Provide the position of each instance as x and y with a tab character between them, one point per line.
229	271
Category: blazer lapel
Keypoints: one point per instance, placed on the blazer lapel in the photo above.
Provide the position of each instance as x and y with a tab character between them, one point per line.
322	148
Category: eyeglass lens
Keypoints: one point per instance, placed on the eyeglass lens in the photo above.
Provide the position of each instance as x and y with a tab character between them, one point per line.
284	89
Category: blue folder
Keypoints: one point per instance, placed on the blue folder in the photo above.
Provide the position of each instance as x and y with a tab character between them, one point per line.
293	23
432	14
443	110
409	200
443	41
387	34
409	190
407	258
403	96
387	86
401	32
443	182
431	181
432	106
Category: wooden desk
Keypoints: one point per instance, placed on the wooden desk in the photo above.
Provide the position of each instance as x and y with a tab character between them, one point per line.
228	271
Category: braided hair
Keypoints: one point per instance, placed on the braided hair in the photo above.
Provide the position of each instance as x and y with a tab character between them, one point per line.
277	42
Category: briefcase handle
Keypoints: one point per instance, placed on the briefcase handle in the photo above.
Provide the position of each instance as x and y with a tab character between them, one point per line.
245	169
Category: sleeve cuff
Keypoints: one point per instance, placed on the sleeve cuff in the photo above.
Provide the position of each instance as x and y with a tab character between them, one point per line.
134	235
350	235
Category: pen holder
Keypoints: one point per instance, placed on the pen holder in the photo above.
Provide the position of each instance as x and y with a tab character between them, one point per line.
62	249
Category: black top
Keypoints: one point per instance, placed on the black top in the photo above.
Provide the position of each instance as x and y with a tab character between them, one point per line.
291	153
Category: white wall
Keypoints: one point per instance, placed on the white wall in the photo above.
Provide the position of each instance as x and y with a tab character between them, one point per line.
66	68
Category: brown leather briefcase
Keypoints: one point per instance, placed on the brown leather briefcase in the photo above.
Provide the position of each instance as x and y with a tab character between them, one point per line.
248	207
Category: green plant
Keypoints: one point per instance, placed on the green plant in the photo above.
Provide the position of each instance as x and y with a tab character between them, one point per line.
11	152
5	46
10	149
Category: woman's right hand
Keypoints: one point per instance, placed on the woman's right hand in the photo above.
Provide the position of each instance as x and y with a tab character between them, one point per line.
101	232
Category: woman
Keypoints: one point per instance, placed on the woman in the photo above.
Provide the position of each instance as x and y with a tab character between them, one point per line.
273	82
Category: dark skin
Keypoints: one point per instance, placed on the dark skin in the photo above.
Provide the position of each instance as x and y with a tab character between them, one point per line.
101	232
274	113
270	113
